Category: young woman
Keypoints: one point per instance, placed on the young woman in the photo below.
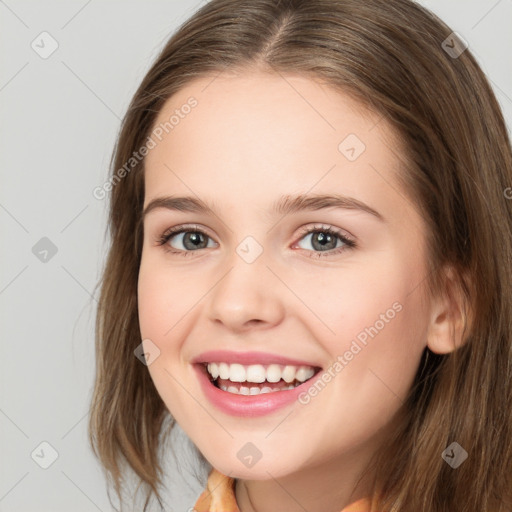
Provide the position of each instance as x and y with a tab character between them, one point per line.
311	264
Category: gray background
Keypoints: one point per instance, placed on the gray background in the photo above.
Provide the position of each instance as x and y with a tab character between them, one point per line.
60	117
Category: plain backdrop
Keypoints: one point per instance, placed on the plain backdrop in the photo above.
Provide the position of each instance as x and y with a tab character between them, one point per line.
59	119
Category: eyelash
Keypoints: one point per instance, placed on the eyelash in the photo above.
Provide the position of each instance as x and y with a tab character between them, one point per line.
349	243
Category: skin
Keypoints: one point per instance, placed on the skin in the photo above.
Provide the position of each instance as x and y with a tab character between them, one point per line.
252	138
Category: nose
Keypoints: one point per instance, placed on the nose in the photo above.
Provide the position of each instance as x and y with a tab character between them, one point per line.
248	295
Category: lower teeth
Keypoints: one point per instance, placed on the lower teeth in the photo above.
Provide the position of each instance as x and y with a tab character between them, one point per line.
244	390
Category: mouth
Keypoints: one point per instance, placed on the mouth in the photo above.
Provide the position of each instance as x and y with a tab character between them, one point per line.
257	379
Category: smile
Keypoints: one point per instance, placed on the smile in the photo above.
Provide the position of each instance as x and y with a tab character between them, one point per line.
256	379
255	383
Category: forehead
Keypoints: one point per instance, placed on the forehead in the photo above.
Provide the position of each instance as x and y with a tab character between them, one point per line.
232	105
257	132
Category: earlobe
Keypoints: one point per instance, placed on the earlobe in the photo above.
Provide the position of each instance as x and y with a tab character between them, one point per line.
449	318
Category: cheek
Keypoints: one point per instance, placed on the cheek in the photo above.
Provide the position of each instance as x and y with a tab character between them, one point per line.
161	298
352	297
159	312
373	315
151	299
158	321
382	337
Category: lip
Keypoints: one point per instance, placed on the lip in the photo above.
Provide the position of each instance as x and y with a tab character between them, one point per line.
249	405
248	358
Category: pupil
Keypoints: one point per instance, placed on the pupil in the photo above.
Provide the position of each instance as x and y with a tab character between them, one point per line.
323	240
194	238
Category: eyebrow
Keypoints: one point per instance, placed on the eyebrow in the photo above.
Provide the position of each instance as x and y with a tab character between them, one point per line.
283	206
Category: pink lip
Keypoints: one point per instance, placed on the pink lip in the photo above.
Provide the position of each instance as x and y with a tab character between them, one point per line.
227	356
248	405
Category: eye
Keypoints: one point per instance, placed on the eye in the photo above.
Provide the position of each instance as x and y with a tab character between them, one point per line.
326	240
188	239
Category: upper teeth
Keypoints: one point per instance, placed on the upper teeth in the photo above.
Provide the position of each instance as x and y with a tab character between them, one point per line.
259	373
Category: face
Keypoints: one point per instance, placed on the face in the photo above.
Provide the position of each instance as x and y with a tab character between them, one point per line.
324	293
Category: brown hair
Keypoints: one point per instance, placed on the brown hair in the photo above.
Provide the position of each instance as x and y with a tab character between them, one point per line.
457	159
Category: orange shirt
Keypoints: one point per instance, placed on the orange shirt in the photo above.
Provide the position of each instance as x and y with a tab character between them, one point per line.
219	496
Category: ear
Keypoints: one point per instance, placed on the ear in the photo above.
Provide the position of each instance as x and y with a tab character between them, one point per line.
449	315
